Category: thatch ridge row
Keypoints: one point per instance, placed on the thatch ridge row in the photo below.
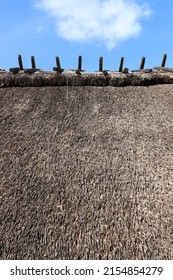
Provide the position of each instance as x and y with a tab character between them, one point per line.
71	78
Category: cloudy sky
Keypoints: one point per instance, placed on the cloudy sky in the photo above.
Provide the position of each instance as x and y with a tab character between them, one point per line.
92	28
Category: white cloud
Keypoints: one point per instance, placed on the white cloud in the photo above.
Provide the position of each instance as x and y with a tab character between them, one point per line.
106	21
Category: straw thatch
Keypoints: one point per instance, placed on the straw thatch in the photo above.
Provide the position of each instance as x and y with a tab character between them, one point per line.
86	172
28	78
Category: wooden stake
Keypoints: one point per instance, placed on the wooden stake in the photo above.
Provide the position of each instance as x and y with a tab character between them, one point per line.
142	63
20	62
80	62
121	64
164	60
101	64
58	64
33	62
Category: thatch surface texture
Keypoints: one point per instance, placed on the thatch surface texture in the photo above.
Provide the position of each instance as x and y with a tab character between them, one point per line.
86	172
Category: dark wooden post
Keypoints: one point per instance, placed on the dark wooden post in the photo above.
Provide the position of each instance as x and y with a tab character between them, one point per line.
20	62
121	64
101	64
142	63
33	62
58	64
164	60
80	62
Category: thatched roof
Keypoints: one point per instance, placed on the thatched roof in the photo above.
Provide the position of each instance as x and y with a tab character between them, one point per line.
86	172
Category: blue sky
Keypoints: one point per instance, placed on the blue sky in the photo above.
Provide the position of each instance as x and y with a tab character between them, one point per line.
68	28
